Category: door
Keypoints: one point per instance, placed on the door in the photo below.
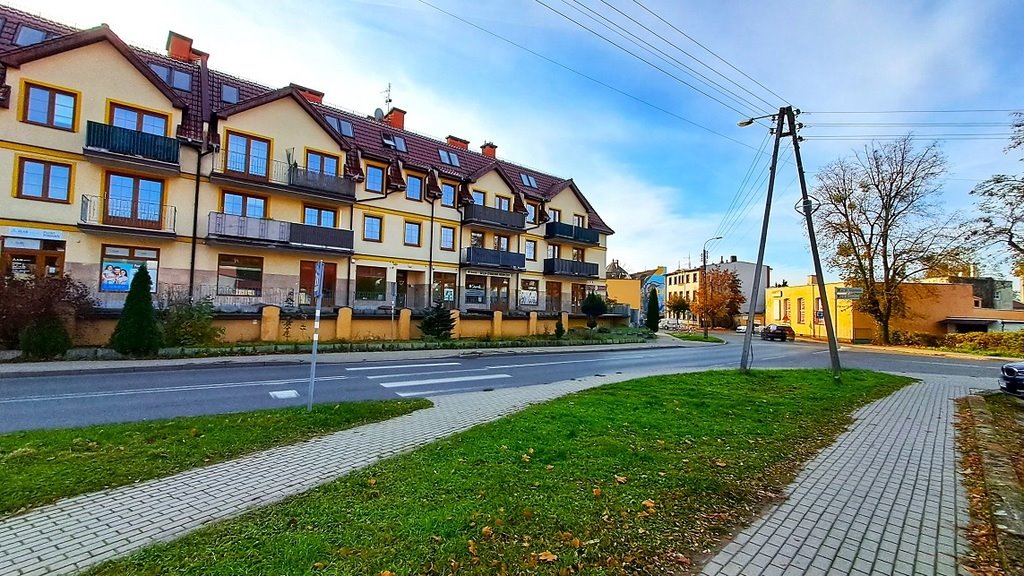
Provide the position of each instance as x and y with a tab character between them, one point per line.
553	296
31	264
307	283
402	288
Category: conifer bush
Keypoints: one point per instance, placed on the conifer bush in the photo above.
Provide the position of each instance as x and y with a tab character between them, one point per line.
137	332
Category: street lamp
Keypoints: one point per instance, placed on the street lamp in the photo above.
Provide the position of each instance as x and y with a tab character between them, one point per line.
704	282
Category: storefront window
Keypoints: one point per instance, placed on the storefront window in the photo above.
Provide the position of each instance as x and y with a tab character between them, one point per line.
119	265
29	258
444	288
476	289
371	283
239	275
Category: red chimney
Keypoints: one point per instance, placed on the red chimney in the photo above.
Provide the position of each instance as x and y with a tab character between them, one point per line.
456	142
180	48
395	118
314	96
489	149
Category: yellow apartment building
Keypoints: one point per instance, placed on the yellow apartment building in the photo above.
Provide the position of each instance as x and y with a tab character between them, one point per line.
230	190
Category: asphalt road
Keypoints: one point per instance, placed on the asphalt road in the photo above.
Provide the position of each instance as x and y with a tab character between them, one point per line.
94	398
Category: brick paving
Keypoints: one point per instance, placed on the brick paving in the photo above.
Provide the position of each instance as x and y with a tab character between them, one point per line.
884	499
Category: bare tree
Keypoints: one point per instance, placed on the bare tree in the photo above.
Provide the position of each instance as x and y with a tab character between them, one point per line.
1000	200
880	222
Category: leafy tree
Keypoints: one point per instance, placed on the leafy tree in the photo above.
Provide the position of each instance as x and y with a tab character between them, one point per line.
437	322
188	323
677	305
137	332
24	300
593	306
879	217
653	311
723	299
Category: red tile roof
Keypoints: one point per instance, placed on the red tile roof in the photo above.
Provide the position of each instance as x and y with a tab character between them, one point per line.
422	151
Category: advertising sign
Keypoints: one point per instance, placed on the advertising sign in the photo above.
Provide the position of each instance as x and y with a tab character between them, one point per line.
116	274
528	297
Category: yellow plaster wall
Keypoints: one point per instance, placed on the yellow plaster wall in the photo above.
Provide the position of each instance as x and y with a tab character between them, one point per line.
287	125
624	291
474	328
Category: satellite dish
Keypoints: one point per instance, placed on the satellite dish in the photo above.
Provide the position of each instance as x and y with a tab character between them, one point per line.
378	114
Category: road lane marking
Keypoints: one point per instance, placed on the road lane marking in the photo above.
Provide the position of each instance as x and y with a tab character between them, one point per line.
443	380
429	392
284	394
509	366
401	366
79	395
407	374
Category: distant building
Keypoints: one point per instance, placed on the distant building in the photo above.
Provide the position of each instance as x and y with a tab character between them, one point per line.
686	282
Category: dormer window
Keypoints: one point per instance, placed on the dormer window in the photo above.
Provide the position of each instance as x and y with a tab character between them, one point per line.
229	94
27	35
344	128
394	142
449	158
175	78
528	180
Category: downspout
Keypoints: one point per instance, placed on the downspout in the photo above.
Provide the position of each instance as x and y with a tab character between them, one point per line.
351	226
430	258
201	150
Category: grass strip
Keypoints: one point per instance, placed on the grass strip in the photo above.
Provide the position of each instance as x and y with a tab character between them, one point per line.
696	337
635	477
41	466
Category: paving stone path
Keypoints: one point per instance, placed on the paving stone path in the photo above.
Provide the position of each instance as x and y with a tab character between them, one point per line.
884	499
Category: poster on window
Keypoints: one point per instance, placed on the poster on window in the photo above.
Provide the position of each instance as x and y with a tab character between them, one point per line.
116	274
527	297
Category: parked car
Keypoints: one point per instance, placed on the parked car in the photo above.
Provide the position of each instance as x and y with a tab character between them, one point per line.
781	332
743	328
669	324
1011	378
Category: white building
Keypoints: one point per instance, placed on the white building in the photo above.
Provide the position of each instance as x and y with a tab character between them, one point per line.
686	282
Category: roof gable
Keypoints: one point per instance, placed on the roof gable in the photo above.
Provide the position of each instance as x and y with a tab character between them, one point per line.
294	94
596	221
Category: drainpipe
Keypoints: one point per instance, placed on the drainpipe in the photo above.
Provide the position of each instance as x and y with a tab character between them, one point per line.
201	151
430	258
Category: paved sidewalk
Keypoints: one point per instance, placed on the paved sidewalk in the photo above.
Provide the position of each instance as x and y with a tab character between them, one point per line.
79	532
884	499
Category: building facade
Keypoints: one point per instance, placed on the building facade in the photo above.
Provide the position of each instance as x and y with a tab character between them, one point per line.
121	157
686	283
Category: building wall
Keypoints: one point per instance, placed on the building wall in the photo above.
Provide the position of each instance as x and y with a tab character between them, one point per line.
686	283
625	291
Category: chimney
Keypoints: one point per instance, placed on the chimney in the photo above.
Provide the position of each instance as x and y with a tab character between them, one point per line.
180	48
314	96
489	149
456	142
812	280
395	118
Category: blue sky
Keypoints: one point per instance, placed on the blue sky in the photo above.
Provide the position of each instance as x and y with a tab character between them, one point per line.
662	183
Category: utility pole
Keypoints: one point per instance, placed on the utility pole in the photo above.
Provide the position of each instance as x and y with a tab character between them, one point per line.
786	118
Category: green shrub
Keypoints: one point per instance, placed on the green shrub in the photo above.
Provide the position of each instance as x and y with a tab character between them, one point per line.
1010	343
190	324
559	329
653	311
24	300
137	332
437	322
46	337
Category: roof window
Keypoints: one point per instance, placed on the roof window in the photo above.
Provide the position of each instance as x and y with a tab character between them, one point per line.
229	93
528	180
450	158
176	78
344	128
27	35
392	141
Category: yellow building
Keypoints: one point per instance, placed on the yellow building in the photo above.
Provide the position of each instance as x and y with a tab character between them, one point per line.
226	189
934	307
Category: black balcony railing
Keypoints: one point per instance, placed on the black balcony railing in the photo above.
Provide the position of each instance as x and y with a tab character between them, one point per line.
560	267
496	258
273	172
477	214
286	234
106	211
330	184
570	232
131	142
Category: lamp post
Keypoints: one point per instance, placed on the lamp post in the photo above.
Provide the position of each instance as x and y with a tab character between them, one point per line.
704	282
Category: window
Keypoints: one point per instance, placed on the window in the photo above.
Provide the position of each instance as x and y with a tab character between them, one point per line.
119	264
476	289
785	310
372	228
447	195
239	275
577	254
162	71
394	142
176	78
371	283
502	203
412	233
556	214
316	216
501	243
322	163
579	221
554	251
374	179
447	238
307	283
476	239
801	313
248	155
245	205
133	201
528	180
414	188
50	107
531	249
228	93
531	213
479	198
444	287
138	120
38	180
343	127
27	35
450	158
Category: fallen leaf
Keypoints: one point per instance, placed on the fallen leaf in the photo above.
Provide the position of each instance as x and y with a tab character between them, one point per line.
318	566
487	531
547	556
549	467
527	513
530	451
597	492
472	547
649	504
721	463
386	573
621	479
371	481
576	543
526	457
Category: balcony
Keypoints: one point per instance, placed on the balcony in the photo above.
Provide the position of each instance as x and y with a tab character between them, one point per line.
493	217
124	148
104	214
275	176
559	267
568	232
493	258
277	234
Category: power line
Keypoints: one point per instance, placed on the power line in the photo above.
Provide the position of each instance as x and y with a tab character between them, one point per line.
743	184
586	76
906	124
638	57
709	51
966	111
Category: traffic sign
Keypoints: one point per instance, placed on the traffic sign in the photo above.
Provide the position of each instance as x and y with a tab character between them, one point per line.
819	315
849	293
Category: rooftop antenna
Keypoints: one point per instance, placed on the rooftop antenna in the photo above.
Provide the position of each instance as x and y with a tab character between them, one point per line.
387	97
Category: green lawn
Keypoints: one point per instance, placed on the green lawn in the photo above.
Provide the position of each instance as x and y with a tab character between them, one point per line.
40	466
696	337
635	477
